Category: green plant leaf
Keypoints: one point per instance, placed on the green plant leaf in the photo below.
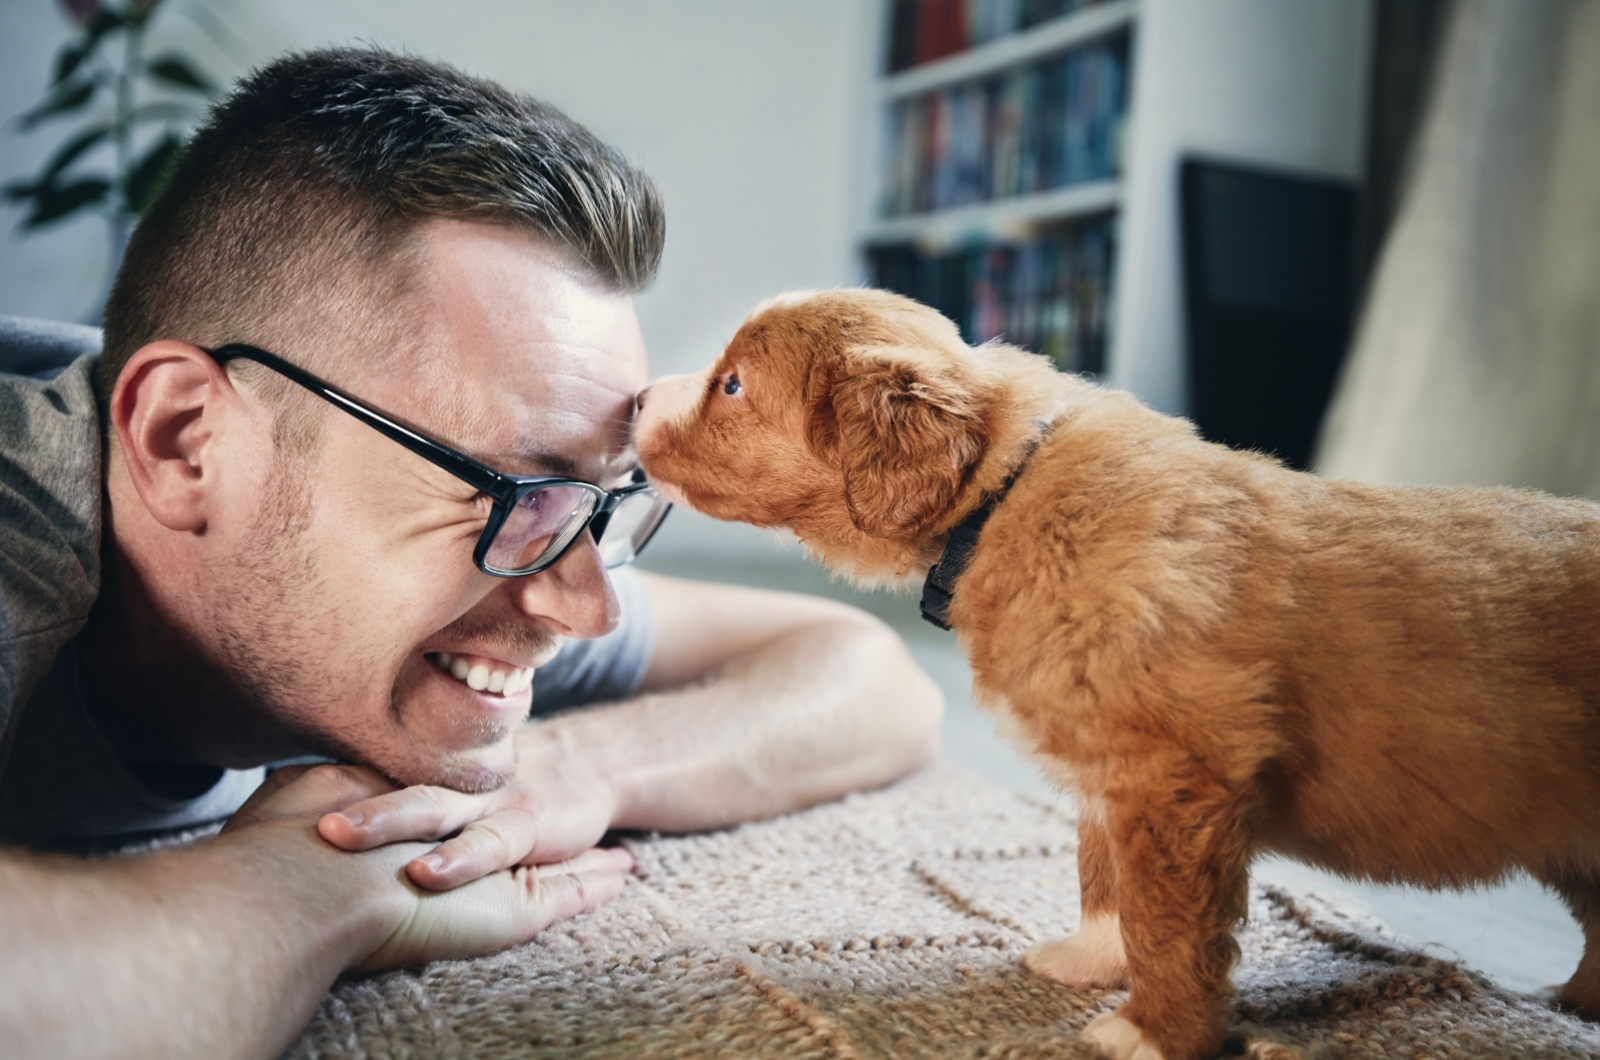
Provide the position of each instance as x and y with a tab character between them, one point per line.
73	55
104	21
67	97
151	172
20	190
53	204
139	13
70	151
175	70
69	59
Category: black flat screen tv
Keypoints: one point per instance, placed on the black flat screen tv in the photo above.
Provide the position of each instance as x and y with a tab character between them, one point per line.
1269	287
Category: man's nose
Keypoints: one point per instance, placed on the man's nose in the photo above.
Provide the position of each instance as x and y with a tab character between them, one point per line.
574	595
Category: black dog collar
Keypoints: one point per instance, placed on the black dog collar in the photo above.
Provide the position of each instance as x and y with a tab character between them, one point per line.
940	588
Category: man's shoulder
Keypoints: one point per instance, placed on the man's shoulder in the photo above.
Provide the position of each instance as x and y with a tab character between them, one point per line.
41	349
50	519
50	457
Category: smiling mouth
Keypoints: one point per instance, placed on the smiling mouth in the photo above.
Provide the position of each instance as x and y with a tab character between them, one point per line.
481	675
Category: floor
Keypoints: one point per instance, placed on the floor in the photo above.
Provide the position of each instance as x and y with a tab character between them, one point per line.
1518	934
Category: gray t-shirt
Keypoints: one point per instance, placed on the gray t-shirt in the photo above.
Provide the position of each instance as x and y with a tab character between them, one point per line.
62	777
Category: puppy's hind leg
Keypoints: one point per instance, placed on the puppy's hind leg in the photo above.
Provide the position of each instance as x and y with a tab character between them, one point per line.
1581	891
1094	957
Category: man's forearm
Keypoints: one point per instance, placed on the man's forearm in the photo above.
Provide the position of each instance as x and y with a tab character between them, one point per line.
224	949
822	710
184	953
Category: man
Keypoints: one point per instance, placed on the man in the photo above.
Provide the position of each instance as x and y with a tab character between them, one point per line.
364	402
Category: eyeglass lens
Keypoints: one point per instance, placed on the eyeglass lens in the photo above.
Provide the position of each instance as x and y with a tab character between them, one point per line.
541	523
544	521
632	521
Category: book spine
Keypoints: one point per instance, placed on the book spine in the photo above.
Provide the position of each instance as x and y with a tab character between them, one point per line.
923	31
1034	128
902	35
1051	294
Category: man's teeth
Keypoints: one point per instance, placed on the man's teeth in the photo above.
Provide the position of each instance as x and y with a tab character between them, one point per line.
480	677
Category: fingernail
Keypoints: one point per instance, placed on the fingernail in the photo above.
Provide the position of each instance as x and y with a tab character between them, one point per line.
355	817
435	862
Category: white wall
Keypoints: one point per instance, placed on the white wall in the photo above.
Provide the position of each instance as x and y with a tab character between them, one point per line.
746	114
749	114
1281	82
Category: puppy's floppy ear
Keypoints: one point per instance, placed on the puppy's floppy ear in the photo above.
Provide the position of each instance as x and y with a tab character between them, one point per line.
906	435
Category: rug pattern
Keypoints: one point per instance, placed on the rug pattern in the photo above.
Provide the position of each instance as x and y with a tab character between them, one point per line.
890	924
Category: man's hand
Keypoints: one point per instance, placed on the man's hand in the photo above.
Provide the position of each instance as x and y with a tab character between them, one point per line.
501	909
497	909
550	814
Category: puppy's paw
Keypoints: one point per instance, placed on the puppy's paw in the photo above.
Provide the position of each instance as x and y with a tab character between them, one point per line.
1119	1039
1262	1049
1092	957
1570	999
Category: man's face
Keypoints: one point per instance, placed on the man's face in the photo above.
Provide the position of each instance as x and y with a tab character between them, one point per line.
337	627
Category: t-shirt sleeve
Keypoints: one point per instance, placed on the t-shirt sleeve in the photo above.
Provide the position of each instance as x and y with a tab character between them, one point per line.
605	668
49	526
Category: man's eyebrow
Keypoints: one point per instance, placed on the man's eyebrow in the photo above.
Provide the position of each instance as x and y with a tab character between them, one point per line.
548	462
536	462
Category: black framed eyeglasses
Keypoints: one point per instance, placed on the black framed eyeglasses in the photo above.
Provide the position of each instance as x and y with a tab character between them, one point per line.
535	518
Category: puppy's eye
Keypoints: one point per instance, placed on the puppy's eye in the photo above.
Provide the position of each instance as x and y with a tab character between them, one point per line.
731	385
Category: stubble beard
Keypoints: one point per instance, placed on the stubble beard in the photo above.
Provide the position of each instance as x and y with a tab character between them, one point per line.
263	623
273	631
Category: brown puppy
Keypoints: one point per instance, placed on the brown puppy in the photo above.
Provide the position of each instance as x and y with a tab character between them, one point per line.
1219	656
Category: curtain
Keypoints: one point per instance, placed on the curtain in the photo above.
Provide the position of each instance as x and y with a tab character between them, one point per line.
1477	356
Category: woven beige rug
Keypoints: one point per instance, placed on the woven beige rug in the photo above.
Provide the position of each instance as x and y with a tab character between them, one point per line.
890	925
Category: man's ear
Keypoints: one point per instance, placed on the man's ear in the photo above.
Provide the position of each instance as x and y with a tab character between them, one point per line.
906	435
159	411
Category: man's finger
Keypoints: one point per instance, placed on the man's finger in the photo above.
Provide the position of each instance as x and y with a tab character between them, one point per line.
416	813
510	837
559	895
596	859
502	910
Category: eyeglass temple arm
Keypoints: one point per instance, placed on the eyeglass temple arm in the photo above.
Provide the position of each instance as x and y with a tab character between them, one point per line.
484	478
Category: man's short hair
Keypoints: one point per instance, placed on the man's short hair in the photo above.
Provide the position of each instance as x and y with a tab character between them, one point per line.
286	220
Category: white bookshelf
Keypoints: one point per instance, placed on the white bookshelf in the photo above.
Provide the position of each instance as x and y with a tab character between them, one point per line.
1261	81
1018	49
1009	218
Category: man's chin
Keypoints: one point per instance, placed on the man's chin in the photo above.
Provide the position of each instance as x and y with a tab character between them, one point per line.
481	769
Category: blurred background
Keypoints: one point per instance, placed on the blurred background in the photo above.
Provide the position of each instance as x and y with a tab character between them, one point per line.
1361	234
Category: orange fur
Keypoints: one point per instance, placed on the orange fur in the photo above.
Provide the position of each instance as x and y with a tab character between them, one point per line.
1223	656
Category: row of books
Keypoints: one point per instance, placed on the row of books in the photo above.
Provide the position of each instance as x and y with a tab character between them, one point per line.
921	31
1051	294
1041	126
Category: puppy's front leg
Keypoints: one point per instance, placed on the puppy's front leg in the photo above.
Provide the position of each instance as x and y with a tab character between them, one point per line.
1176	839
1094	957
